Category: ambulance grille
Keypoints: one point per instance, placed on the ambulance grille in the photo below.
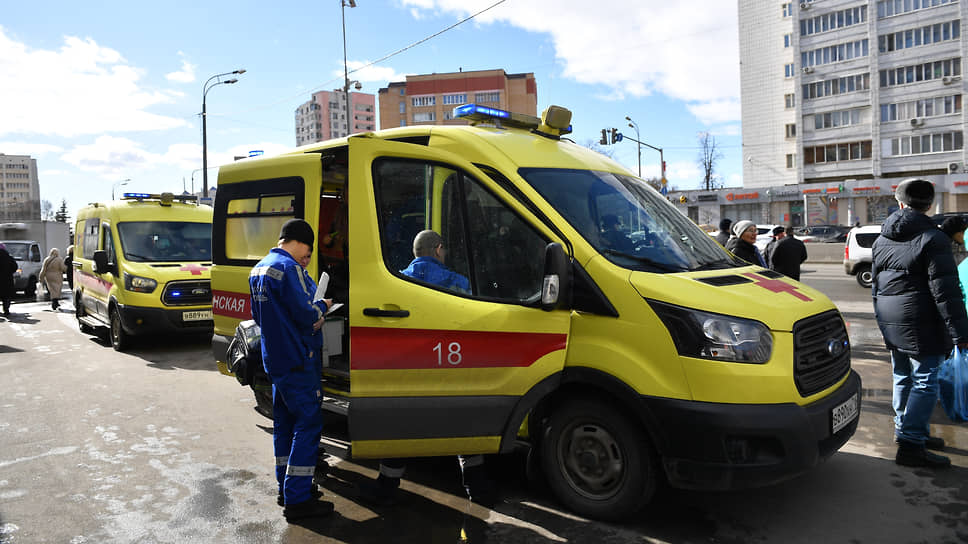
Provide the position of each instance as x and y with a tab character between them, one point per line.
187	293
821	352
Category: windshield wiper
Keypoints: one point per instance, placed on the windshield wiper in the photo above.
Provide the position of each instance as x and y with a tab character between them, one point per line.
715	265
645	260
142	257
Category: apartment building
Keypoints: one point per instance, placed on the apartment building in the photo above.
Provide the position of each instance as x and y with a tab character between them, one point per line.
19	188
842	100
430	99
323	117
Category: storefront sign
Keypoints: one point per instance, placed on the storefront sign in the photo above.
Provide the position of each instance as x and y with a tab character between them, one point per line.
742	196
712	198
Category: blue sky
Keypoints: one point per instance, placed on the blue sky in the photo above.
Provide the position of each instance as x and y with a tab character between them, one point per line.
100	92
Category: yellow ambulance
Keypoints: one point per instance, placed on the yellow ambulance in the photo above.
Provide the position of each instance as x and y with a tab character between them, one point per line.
141	266
598	326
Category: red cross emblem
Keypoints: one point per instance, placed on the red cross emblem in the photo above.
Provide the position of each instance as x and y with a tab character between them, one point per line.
777	286
195	269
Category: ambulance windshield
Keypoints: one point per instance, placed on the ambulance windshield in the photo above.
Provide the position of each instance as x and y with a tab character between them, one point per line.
627	221
165	241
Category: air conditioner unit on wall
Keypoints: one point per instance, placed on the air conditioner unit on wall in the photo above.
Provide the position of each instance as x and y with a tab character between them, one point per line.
916	122
804	5
948	80
807	69
954	167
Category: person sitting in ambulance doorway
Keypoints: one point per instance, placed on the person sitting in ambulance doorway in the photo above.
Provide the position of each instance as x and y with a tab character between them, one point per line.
428	266
292	343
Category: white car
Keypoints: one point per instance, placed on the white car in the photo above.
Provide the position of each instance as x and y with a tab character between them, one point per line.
858	254
764	234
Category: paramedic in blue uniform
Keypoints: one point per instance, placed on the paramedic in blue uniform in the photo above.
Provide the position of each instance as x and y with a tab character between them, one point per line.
292	342
428	266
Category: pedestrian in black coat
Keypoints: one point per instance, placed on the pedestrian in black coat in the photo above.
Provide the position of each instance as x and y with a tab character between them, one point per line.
8	267
918	306
724	229
787	256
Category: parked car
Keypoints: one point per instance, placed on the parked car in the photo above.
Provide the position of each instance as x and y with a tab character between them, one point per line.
764	233
822	233
29	259
858	254
940	217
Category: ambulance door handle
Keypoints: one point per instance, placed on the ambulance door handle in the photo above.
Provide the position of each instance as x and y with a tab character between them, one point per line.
377	312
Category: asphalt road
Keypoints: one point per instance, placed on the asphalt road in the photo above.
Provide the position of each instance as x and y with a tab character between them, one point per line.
154	445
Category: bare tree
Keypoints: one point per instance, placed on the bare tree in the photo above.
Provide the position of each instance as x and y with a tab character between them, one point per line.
709	155
599	148
46	210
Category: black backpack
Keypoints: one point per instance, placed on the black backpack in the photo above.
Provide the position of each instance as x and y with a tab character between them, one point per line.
245	352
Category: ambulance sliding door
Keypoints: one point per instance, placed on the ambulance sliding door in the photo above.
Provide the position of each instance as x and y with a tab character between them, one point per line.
437	370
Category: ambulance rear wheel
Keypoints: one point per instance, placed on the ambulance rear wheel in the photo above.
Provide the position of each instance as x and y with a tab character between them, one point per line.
597	461
120	340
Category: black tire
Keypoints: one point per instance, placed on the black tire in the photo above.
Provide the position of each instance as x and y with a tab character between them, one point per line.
864	276
79	313
263	399
120	340
597	461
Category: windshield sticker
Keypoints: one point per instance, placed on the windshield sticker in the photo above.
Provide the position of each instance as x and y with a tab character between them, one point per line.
777	286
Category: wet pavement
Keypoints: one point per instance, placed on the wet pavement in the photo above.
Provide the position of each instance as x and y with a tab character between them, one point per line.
154	445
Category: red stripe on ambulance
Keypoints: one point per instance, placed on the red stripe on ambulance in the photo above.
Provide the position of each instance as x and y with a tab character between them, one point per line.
229	304
375	348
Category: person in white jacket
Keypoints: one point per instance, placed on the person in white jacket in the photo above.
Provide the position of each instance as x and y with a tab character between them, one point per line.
52	274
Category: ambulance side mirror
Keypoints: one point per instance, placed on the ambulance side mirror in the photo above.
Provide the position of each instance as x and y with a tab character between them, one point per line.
101	265
556	287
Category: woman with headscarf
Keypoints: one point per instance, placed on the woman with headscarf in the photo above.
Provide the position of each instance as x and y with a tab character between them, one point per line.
52	274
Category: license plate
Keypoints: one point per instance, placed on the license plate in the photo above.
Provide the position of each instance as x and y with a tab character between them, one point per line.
843	414
197	315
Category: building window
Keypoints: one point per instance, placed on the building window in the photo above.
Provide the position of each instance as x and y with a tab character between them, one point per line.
926	107
403	122
924	143
841	85
833	119
483	98
920	72
789	101
834	53
424	117
419	101
789	70
787	38
839	152
455	99
403	107
790	130
833	20
787	9
791	160
403	91
925	35
887	8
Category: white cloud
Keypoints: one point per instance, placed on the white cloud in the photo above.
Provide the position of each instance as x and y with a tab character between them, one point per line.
27	148
660	40
110	157
185	75
81	88
377	74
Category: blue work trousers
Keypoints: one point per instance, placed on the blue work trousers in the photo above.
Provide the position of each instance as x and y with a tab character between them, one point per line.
297	427
915	394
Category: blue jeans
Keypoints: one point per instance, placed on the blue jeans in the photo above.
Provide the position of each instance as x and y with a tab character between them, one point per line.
915	394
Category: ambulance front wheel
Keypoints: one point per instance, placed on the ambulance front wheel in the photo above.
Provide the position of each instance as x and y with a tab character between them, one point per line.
597	461
120	340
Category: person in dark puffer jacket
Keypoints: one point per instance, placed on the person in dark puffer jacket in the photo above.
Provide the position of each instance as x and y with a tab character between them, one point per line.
919	310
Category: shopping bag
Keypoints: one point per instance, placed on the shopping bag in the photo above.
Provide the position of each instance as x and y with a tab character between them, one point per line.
953	386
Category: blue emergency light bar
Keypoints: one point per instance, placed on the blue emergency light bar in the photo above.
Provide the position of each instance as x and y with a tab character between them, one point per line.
139	196
165	198
499	117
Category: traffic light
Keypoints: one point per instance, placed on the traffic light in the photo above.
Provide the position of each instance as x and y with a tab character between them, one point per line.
616	137
604	140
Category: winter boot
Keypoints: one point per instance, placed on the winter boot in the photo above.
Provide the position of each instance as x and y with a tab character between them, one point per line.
915	455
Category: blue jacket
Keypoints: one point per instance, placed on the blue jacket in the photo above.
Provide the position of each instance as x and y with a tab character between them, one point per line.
431	270
917	300
282	305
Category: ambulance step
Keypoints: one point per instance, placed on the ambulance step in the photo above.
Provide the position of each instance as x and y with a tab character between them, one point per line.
337	405
328	371
90	321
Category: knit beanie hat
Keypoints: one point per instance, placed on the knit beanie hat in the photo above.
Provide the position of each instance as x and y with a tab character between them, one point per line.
725	223
740	226
916	193
298	230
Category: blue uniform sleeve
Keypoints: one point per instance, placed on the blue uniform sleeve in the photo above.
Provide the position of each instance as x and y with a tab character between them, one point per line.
299	289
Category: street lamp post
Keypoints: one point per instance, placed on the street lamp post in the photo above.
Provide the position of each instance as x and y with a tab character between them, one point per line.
346	70
118	184
632	124
218	81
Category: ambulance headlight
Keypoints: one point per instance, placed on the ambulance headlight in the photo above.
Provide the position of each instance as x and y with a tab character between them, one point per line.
706	335
139	284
